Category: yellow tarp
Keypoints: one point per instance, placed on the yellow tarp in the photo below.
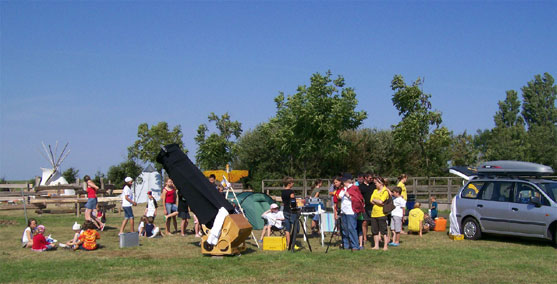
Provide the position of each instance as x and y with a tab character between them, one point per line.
233	176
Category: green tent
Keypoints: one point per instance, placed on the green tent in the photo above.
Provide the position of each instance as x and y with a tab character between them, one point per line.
254	204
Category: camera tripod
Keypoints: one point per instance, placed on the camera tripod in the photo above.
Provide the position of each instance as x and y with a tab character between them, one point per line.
294	230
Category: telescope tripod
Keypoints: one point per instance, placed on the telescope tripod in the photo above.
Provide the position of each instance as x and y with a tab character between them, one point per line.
294	230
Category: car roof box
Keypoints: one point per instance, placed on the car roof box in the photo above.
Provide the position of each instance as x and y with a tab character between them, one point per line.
514	168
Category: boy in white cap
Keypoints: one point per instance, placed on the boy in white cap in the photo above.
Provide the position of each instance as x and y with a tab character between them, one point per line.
274	220
73	242
127	203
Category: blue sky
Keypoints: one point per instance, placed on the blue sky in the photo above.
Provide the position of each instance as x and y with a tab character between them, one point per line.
89	73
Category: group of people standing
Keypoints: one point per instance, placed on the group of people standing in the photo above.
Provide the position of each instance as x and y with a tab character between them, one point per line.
360	203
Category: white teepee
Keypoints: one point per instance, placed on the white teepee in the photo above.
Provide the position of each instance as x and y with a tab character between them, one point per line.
149	180
52	176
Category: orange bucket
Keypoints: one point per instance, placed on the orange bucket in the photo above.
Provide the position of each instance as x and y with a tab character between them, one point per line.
440	224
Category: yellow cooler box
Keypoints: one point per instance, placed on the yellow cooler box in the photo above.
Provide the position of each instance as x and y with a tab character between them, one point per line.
274	243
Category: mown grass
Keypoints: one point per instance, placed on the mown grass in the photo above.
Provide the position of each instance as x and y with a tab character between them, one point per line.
432	258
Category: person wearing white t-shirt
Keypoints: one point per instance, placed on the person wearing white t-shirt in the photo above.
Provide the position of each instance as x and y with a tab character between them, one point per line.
127	203
274	220
151	210
396	215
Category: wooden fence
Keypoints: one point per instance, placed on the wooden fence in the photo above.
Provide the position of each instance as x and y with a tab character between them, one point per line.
422	188
26	196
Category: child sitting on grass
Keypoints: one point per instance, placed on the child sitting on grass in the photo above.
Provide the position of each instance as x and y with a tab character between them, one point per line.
73	242
39	241
88	239
28	233
429	223
149	229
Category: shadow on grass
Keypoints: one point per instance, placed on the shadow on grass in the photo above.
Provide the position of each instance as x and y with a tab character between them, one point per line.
517	240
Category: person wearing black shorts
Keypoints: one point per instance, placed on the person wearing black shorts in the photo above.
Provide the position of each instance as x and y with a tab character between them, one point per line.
288	197
183	213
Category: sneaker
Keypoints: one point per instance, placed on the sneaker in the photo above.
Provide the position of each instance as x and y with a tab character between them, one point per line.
63	245
296	247
391	244
102	227
395	245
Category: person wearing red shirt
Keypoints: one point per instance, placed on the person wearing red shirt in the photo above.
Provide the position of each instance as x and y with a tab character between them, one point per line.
169	200
39	241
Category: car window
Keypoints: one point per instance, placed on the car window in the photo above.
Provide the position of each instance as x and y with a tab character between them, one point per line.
487	192
504	191
550	188
524	192
472	189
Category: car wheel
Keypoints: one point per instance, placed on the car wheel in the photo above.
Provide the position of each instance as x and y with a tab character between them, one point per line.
471	229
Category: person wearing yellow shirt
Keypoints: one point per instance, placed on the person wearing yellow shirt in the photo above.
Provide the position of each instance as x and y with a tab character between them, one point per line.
402	184
378	219
416	219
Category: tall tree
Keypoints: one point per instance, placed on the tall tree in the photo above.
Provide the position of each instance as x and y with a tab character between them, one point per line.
216	150
419	129
539	97
311	120
150	140
507	140
540	113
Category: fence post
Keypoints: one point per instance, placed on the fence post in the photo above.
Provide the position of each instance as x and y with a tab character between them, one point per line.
37	181
449	189
263	186
305	187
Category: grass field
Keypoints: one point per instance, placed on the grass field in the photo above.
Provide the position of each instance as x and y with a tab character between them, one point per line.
176	259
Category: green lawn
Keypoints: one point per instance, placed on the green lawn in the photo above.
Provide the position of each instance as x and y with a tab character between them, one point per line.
432	258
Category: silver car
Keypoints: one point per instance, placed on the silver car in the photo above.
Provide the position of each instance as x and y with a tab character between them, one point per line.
504	202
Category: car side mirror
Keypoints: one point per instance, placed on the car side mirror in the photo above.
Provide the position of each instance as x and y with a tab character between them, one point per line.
536	201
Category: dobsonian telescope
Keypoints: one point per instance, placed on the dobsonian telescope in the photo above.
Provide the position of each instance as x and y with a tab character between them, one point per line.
225	232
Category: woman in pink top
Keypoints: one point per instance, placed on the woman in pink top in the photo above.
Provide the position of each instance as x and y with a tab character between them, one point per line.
91	202
169	199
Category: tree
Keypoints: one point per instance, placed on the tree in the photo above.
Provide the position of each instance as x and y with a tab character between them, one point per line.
507	140
215	151
258	150
413	135
540	113
539	97
463	151
150	141
310	121
117	174
98	176
71	175
369	150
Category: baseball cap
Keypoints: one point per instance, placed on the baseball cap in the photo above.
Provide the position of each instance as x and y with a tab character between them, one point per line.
274	205
128	179
346	177
149	192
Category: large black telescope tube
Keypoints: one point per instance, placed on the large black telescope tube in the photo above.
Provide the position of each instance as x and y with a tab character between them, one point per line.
203	198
